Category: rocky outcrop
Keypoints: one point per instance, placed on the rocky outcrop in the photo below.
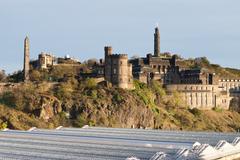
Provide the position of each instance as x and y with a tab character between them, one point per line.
49	106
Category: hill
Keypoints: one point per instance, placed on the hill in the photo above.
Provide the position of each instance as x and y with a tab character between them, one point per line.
73	103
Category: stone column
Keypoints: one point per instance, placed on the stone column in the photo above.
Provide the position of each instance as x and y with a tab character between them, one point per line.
157	42
26	65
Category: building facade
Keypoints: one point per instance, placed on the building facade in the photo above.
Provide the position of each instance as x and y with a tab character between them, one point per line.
201	96
45	60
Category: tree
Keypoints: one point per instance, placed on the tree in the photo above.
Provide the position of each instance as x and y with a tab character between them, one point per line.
35	75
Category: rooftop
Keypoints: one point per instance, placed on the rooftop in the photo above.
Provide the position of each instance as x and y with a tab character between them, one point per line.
99	143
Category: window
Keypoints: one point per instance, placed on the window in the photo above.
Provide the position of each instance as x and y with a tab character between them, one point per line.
114	71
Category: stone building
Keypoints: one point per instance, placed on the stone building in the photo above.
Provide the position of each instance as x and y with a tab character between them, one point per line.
117	70
45	60
201	89
201	96
26	65
175	75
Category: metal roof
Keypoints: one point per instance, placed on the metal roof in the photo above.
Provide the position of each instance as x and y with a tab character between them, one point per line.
94	143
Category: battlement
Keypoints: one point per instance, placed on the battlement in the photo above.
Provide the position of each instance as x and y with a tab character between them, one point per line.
229	80
191	87
119	56
43	54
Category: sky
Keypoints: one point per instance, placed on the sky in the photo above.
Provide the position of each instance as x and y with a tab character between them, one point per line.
81	29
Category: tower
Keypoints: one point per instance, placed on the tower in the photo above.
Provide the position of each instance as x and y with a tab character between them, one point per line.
117	70
157	42
26	60
108	63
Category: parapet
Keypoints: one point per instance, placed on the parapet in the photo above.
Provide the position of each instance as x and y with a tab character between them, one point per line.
191	88
44	54
120	56
229	80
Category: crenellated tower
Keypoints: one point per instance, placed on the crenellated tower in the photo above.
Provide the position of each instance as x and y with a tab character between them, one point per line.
157	42
26	65
118	71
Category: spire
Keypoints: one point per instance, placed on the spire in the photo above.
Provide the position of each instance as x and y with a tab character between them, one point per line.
26	65
157	42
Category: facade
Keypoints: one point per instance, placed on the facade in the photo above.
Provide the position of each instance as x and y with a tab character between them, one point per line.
117	70
26	65
201	96
45	60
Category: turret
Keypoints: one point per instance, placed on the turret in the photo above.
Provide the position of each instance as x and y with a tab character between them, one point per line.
108	50
108	63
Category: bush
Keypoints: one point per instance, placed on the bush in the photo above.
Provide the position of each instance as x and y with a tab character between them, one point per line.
117	97
90	83
157	87
35	75
94	94
217	109
80	121
3	125
195	111
8	99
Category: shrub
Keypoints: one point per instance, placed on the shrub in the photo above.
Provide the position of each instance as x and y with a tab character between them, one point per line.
90	83
8	99
80	121
117	97
195	111
94	94
217	109
3	125
156	86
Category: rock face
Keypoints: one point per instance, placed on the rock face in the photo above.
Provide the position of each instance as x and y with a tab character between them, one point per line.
49	107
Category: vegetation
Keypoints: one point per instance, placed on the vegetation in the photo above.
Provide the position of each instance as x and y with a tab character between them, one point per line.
86	103
56	96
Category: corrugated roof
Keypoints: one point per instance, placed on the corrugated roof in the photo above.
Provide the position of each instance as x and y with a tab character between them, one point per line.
99	143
